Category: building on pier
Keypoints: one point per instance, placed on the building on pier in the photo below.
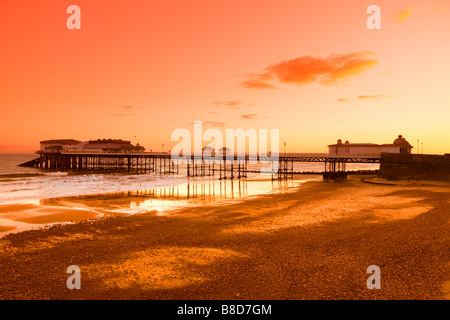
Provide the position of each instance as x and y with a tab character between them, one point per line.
93	146
400	145
106	146
57	145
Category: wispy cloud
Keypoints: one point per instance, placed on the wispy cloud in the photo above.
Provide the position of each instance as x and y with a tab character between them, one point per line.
125	114
249	116
257	83
231	104
402	15
362	97
307	69
374	96
126	111
216	124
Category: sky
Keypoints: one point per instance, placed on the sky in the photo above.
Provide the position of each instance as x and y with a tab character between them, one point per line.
138	70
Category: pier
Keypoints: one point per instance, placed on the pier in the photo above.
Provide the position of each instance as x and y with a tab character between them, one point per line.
231	167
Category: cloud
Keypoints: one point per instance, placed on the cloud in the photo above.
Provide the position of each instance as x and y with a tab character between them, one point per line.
307	69
374	96
259	81
362	97
232	104
216	124
402	15
257	84
249	116
369	97
120	114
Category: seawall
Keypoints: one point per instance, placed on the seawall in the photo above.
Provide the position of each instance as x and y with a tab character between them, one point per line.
415	166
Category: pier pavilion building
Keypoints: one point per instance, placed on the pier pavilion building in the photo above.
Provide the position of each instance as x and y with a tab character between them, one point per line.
400	145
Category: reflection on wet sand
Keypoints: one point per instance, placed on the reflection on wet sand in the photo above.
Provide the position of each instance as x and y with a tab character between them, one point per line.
192	193
160	201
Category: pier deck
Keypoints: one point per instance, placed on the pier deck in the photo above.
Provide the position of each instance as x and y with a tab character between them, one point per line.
230	166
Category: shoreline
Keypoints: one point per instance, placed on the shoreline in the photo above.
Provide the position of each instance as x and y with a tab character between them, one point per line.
19	216
314	243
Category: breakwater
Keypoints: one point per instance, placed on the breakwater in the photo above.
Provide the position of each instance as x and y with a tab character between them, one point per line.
415	166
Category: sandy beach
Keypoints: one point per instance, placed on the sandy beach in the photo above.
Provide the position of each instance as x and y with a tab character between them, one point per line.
314	243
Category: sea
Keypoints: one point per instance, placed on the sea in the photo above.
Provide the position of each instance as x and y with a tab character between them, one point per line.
24	184
127	194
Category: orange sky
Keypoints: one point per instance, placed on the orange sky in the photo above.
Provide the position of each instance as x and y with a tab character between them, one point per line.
311	69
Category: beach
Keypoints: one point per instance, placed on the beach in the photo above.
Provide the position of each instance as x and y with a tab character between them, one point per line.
313	243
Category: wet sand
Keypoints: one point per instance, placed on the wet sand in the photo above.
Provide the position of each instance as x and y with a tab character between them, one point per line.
20	217
315	243
36	214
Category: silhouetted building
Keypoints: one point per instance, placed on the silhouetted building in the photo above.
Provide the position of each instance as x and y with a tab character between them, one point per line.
106	146
57	145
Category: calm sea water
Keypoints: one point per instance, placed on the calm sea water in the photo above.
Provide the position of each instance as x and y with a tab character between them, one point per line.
18	184
129	194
